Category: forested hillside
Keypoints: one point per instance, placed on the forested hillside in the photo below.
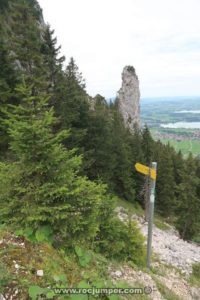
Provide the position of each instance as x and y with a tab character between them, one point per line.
66	158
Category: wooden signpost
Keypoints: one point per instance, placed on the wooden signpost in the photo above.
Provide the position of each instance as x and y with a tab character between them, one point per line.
151	172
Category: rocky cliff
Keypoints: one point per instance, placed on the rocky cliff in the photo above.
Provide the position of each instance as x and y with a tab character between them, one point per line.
129	97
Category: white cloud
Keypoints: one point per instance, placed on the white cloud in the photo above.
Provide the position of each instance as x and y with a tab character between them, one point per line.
160	38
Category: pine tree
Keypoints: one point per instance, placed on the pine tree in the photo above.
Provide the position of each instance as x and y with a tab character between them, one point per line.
25	41
73	106
107	150
147	145
3	5
137	155
165	184
188	210
45	188
20	55
8	81
97	142
122	174
52	62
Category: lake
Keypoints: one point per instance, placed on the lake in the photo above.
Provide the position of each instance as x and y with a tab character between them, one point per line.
187	125
187	111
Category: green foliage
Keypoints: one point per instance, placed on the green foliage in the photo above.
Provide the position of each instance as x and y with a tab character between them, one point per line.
196	238
42	234
28	233
165	291
161	224
188	200
46	180
196	270
97	143
8	81
165	185
60	279
5	277
84	256
122	174
195	276
131	208
147	145
43	189
3	5
108	153
71	105
121	241
36	291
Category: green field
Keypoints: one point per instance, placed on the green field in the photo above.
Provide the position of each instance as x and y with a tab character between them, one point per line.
185	146
155	112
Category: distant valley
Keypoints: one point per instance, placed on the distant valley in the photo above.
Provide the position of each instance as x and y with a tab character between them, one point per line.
174	120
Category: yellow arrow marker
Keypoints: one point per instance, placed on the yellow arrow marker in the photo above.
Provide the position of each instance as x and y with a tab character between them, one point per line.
146	170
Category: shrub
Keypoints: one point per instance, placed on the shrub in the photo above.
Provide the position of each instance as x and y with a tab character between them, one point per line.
121	241
196	270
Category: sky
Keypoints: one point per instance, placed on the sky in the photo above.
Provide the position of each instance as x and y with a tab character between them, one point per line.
160	38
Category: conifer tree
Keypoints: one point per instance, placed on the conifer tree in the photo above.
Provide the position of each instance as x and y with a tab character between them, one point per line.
165	184
8	81
97	142
26	41
45	188
73	107
147	145
52	61
137	155
122	175
3	5
188	210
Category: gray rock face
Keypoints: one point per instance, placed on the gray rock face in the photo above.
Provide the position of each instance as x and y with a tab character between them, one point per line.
129	97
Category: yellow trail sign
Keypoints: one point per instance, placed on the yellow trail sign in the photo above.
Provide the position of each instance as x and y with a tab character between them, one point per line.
146	170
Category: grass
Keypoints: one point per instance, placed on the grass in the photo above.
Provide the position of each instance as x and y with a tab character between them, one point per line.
59	262
159	270
196	239
195	276
61	268
165	291
132	208
160	223
55	263
186	146
135	208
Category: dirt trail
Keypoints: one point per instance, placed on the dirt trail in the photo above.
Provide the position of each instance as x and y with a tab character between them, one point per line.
172	251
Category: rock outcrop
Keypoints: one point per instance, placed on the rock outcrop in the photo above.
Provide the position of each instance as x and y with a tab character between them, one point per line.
129	97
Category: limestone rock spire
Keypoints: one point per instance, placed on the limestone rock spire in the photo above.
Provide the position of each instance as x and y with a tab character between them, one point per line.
129	98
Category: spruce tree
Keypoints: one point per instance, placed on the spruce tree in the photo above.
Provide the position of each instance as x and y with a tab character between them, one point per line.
188	210
73	106
8	80
137	155
165	184
45	188
52	61
122	175
97	142
147	145
25	38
